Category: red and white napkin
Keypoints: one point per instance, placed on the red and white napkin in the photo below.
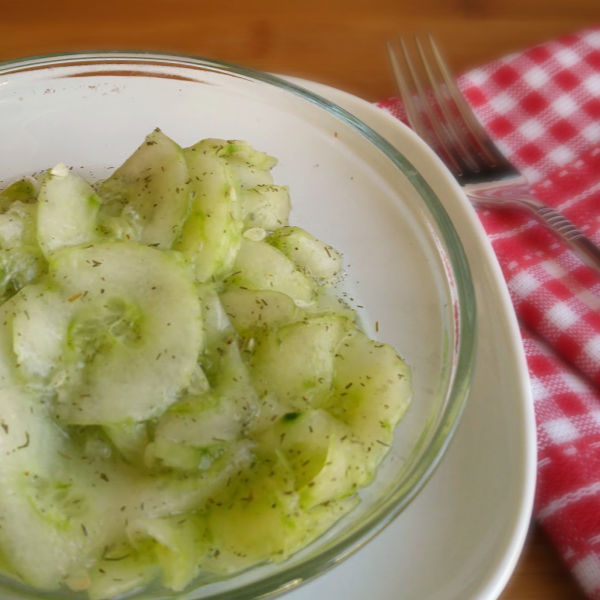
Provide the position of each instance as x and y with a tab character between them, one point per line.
542	108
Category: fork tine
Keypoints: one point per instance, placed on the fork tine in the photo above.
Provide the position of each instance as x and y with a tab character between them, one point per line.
435	136
436	125
414	118
469	118
455	132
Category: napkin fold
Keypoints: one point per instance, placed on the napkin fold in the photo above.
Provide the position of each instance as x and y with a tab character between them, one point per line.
542	108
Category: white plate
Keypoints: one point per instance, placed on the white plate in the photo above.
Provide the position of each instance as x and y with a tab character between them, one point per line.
462	536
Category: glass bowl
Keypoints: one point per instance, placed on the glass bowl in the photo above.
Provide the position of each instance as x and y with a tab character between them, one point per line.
405	270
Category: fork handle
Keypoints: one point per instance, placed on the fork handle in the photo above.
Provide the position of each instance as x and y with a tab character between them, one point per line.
587	251
582	245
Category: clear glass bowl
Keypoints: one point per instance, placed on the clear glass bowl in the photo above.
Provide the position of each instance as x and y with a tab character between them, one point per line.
406	272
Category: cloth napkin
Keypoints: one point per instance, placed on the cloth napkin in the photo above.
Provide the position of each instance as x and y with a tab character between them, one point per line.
542	108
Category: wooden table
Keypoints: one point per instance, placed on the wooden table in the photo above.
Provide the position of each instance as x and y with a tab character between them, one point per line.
337	42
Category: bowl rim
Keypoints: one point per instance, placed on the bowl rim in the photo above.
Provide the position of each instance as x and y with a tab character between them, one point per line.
461	284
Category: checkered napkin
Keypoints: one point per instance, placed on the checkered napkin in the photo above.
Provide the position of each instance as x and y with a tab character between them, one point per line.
542	107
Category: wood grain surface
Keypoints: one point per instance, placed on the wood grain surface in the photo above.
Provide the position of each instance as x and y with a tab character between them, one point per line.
341	43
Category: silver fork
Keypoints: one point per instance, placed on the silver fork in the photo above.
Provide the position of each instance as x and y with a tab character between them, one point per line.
440	114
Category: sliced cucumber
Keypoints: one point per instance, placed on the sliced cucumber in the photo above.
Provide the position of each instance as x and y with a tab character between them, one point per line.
259	266
295	362
64	515
282	532
180	394
226	372
35	531
149	192
33	326
122	571
67	210
21	258
258	309
164	492
313	256
327	303
328	462
263	495
219	415
251	165
40	321
132	305
24	191
372	390
263	204
232	384
194	433
200	423
266	206
130	439
9	370
178	543
217	326
211	235
197	429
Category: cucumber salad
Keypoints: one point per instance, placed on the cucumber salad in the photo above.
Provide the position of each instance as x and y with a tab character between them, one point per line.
182	394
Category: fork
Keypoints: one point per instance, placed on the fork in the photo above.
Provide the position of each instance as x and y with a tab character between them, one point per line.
441	116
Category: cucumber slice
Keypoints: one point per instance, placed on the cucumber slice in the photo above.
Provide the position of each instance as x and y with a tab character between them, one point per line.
328	303
130	439
233	191
35	532
314	257
32	332
132	305
194	433
21	259
150	192
232	384
259	266
67	210
196	430
217	326
64	515
124	570
295	362
200	423
40	322
258	309
372	391
213	420
251	165
225	371
178	542
24	191
266	206
166	492
327	460
274	536
263	494
9	370
211	235
263	204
